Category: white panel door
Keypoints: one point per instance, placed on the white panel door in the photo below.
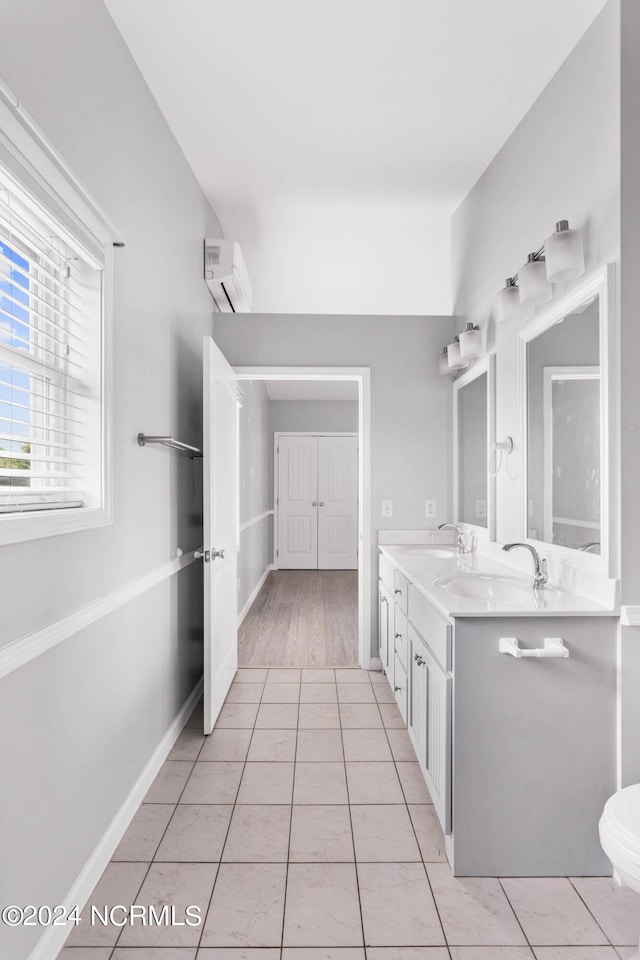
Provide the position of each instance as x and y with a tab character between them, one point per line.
298	503
220	530
337	503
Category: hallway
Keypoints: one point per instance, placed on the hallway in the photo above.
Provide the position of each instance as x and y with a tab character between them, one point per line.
302	618
303	822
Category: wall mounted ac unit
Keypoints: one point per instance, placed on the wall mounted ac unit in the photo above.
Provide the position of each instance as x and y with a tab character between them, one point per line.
225	273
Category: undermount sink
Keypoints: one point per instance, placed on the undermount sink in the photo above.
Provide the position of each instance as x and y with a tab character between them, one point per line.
479	586
422	551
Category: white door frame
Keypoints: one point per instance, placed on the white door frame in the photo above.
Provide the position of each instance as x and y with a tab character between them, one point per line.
362	377
276	484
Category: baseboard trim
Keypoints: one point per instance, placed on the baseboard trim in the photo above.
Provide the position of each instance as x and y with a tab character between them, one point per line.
53	939
19	652
254	593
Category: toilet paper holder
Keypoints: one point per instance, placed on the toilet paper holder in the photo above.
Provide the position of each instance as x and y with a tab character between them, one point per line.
554	648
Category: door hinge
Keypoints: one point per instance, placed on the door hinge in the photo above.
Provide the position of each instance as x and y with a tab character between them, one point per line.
277	553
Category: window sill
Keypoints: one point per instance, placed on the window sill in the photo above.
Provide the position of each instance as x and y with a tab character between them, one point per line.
18	528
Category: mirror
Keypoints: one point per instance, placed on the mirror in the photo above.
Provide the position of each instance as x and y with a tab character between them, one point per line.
565	412
473	437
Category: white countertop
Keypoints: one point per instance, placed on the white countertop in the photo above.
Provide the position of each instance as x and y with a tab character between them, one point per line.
549	602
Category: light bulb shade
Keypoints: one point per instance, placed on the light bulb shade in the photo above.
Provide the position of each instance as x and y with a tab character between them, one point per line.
455	360
443	363
533	283
564	252
509	307
471	342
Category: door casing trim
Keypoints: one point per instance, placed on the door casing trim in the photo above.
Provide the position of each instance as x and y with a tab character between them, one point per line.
362	377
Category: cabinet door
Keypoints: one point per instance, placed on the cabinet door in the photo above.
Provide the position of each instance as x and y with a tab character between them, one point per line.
400	684
438	737
417	708
384	626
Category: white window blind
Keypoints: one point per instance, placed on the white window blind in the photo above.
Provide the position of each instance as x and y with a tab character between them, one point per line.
50	361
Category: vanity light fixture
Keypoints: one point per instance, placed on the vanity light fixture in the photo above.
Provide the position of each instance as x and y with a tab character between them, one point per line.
561	257
455	360
509	306
564	251
443	363
534	286
471	341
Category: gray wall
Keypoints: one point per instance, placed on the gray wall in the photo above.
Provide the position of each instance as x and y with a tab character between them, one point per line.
255	488
411	407
630	384
562	161
80	722
575	155
311	416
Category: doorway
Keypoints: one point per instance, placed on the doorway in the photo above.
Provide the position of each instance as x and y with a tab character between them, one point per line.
310	605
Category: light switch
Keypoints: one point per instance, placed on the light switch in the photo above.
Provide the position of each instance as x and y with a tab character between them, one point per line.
387	508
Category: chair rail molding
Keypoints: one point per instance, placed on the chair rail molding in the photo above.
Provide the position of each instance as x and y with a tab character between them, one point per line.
20	651
253	520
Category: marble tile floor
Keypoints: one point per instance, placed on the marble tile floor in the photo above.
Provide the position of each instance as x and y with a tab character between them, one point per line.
303	830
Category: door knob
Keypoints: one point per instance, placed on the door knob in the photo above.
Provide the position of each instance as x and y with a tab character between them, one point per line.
217	553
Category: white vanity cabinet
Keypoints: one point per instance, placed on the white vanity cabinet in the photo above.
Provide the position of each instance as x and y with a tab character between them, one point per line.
518	753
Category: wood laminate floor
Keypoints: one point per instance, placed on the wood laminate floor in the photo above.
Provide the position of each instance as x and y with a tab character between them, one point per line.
302	618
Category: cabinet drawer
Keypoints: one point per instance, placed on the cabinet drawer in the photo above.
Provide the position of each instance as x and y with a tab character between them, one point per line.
400	590
386	571
401	637
400	687
435	631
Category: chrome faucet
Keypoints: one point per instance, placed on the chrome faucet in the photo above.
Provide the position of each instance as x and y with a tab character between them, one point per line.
540	576
588	547
461	543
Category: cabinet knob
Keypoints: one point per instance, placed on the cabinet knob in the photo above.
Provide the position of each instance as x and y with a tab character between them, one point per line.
396	689
398	635
397	591
418	659
314	503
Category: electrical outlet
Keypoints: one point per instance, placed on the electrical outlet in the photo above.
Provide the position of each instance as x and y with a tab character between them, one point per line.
481	508
387	508
429	509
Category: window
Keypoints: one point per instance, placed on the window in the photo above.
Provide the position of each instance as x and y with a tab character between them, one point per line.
53	284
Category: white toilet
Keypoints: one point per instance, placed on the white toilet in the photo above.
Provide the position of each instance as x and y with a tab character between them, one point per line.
620	837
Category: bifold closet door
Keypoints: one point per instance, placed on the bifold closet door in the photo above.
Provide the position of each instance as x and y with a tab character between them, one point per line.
337	503
298	503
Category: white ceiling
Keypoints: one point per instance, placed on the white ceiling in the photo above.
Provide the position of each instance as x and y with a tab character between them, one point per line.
335	139
312	390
